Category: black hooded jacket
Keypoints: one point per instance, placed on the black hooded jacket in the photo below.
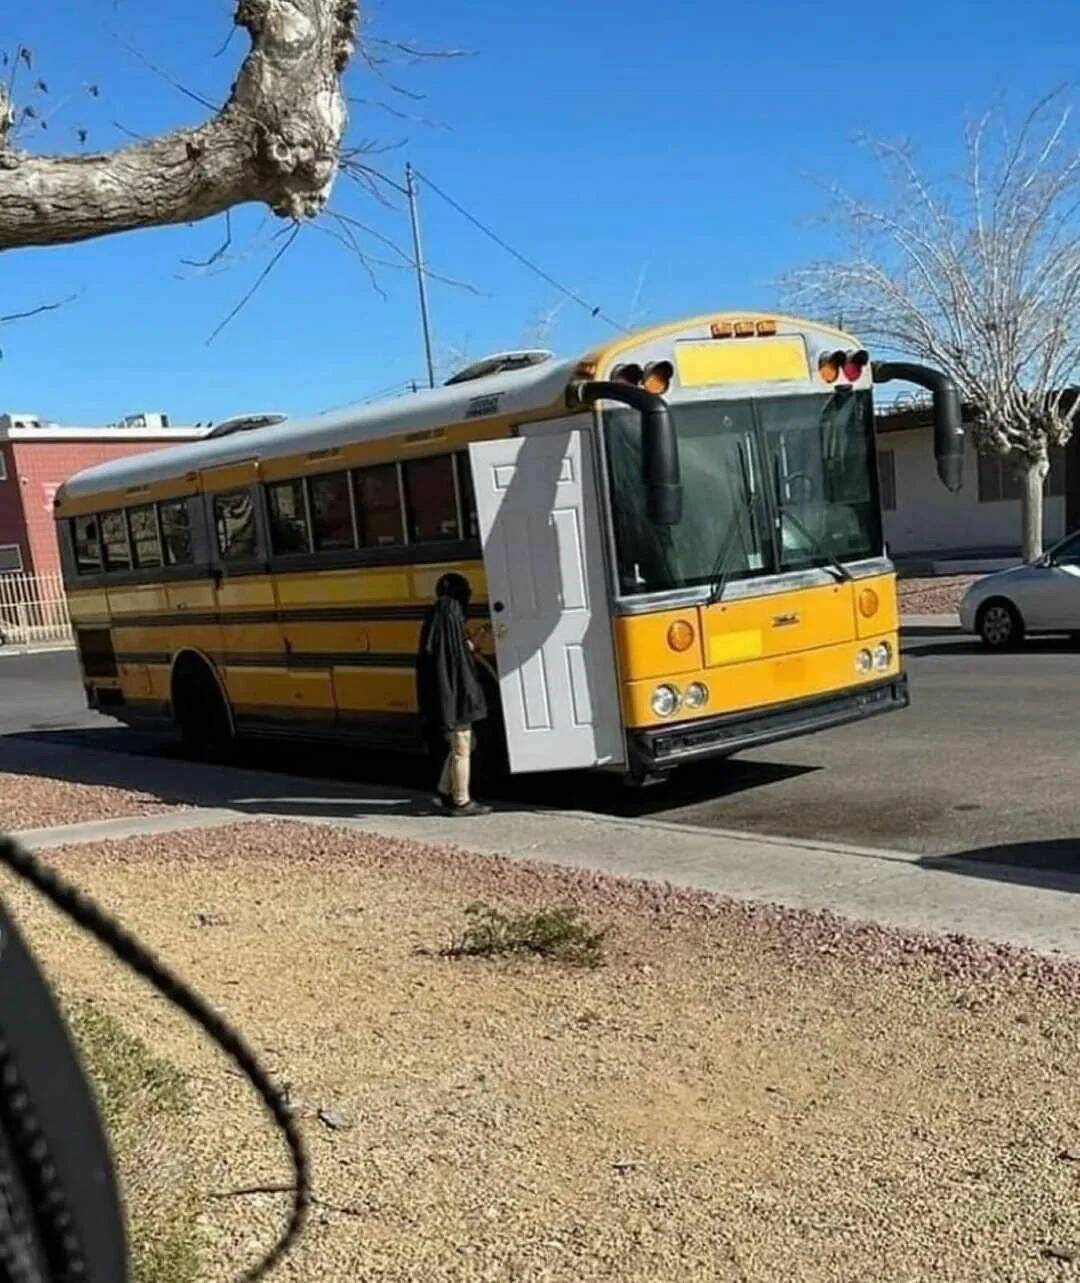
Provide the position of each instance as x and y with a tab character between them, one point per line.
447	685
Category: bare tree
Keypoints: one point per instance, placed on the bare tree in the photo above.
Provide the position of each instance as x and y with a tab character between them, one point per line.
980	275
277	140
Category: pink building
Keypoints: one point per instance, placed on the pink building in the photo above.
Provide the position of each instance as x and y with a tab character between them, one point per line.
36	457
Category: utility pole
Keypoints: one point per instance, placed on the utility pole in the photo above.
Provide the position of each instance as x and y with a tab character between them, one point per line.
421	283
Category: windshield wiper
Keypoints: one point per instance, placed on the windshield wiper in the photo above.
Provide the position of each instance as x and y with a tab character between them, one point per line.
721	570
816	546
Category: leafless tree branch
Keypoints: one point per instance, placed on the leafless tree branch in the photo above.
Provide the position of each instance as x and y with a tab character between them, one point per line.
290	239
979	275
36	311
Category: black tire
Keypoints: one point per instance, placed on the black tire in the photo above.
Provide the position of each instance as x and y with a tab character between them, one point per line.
199	710
1000	625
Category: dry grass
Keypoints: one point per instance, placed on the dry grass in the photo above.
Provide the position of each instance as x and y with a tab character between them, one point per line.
144	1103
738	1094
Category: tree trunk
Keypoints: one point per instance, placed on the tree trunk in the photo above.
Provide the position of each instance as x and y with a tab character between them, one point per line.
276	140
1033	481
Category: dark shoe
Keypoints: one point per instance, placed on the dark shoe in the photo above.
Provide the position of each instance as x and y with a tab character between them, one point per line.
470	808
444	800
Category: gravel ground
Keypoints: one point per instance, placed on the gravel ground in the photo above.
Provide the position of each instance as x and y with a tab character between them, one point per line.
36	802
741	1093
939	596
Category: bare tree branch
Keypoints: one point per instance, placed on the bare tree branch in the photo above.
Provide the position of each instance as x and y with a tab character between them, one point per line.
980	276
278	256
36	311
275	141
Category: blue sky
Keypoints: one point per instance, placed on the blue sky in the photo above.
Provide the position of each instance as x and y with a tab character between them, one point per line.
671	145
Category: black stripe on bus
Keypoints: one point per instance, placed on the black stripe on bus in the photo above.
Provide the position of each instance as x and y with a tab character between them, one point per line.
287	659
302	615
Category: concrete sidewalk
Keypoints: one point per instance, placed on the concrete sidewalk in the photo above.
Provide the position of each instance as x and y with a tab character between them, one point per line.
1028	906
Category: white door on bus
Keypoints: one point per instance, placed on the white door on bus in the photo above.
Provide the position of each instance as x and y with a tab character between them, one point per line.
543	557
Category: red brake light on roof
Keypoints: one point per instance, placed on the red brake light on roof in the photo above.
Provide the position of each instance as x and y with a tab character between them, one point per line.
854	364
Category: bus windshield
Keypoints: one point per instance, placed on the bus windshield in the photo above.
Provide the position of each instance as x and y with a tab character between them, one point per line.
769	485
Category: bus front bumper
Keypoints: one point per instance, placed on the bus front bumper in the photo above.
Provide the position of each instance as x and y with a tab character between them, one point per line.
661	748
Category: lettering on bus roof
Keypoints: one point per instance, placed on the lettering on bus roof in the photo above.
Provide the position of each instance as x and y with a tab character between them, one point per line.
481	405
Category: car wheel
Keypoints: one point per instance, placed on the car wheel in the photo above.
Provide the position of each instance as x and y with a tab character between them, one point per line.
1000	626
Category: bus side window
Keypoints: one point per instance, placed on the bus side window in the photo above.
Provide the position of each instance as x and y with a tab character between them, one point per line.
114	537
430	499
378	507
331	512
234	523
288	518
467	495
145	544
176	533
87	537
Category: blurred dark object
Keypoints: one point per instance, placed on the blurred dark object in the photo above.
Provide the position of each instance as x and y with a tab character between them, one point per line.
60	1219
59	1208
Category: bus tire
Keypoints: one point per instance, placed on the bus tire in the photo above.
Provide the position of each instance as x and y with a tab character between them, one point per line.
199	709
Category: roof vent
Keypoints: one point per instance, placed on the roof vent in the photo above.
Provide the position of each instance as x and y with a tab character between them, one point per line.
499	363
245	423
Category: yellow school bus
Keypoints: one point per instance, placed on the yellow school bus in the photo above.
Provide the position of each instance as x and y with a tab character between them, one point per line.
675	544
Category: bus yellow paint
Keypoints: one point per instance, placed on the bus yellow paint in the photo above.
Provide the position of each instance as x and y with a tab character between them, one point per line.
760	682
724	361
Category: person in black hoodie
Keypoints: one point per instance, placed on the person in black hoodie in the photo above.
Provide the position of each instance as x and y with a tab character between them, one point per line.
449	693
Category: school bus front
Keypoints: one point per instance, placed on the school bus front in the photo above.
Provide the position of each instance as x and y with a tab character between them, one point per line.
767	607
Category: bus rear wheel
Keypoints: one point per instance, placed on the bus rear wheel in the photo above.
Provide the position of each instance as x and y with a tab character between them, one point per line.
199	709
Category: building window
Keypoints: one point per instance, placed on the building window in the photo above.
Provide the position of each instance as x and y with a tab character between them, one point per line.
378	507
87	534
114	539
11	562
886	470
145	543
999	479
234	522
176	533
3	465
288	518
431	499
467	495
331	512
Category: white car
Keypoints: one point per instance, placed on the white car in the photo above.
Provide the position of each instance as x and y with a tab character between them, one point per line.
1040	597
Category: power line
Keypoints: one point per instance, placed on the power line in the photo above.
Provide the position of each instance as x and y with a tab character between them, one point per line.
569	293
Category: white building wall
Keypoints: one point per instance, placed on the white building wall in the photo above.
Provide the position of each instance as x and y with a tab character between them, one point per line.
930	519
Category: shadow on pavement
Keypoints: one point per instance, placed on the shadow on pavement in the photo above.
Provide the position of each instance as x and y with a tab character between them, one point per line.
970	646
1052	864
312	781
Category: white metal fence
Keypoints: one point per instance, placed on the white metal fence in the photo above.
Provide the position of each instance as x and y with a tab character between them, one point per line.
33	610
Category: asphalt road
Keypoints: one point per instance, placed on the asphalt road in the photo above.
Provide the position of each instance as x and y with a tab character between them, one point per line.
984	761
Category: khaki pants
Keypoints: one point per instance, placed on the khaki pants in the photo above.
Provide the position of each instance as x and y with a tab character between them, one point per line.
454	780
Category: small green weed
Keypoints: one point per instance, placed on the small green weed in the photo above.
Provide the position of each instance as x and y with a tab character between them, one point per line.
559	932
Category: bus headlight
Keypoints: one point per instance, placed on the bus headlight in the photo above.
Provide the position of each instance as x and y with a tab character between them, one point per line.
864	663
665	700
882	656
696	695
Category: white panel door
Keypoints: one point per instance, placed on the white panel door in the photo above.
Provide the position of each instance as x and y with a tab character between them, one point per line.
543	557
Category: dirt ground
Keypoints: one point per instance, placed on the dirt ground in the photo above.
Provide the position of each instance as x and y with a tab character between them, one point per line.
740	1093
940	596
35	802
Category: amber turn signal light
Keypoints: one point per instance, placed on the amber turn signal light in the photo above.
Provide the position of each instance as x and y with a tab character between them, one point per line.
868	603
657	377
680	636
